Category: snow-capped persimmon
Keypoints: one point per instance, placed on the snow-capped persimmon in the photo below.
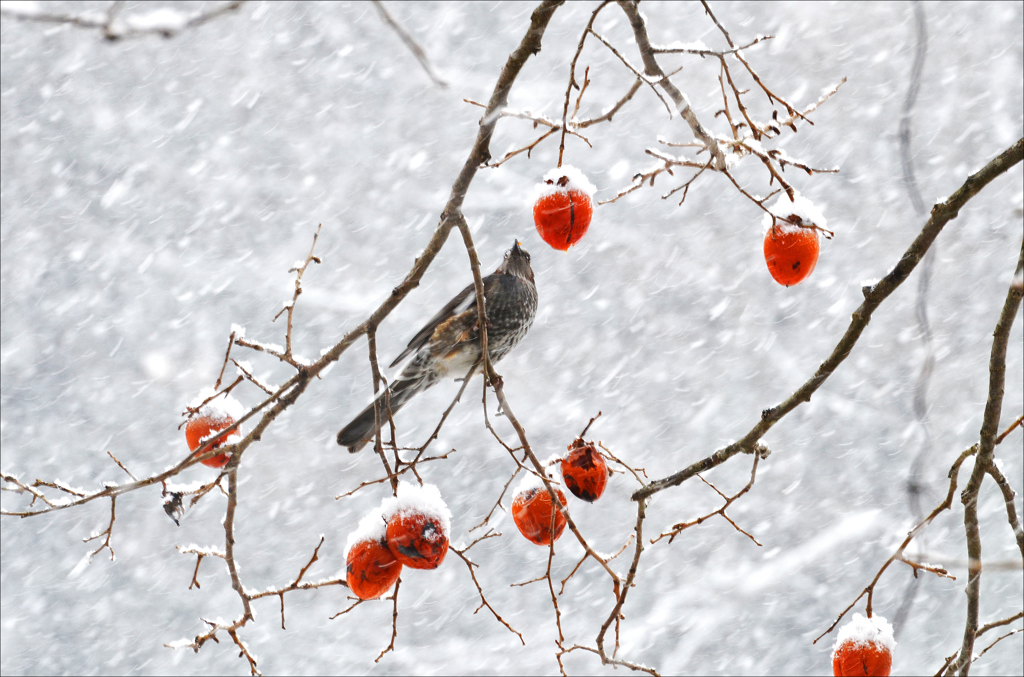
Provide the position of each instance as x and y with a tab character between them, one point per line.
417	540
418	524
563	207
791	252
370	566
371	569
210	418
202	427
864	647
791	243
585	471
532	511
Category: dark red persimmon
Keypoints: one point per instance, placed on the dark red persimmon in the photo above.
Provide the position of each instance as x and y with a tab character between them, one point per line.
416	540
585	471
371	569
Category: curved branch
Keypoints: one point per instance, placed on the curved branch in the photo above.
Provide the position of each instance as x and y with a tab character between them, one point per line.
480	153
874	295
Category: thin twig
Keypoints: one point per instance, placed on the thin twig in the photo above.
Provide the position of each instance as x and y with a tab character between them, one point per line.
299	271
998	624
115	26
122	467
108	532
572	79
954	473
227	355
394	621
997	640
1009	429
411	43
1011	509
483	600
729	500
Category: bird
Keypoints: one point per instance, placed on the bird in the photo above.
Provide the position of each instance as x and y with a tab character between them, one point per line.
448	346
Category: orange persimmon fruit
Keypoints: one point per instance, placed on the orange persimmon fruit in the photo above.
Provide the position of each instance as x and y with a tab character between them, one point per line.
371	568
791	252
585	471
563	207
864	648
532	511
203	426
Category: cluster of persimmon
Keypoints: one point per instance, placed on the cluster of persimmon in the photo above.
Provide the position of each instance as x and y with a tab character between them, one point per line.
585	474
563	207
210	414
864	646
409	529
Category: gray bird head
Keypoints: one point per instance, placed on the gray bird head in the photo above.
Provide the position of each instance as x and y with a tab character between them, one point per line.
517	262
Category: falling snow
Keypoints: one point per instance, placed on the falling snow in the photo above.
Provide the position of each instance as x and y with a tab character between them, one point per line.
155	193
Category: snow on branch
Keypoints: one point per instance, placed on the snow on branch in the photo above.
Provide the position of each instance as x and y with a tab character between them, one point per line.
116	25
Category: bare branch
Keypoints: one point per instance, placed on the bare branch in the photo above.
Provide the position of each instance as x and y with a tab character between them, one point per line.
986	456
227	355
942	214
729	500
998	639
483	600
954	472
394	622
616	107
572	79
711	52
652	68
299	270
115	26
998	624
411	43
1011	509
108	532
650	81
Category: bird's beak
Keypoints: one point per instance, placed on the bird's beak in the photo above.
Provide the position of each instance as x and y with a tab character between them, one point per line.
516	248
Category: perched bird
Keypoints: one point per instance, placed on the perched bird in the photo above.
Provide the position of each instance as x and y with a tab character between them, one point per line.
449	345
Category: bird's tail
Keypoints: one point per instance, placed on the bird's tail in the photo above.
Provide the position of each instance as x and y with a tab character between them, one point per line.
360	431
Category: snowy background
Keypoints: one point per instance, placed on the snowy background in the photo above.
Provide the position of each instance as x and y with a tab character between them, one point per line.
156	191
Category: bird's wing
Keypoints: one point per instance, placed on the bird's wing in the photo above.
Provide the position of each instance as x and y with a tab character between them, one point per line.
465	300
